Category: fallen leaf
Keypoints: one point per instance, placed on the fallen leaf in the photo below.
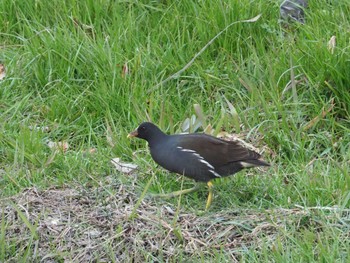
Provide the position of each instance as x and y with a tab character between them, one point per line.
62	146
53	221
331	44
2	72
125	70
123	167
254	19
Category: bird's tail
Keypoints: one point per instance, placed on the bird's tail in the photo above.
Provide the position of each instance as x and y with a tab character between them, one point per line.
254	163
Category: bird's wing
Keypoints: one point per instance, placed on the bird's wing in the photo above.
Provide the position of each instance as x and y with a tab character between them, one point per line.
216	151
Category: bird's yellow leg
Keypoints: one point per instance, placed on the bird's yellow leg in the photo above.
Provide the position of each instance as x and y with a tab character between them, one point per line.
180	192
210	195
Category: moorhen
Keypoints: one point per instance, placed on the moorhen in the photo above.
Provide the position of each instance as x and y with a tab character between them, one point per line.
198	156
293	10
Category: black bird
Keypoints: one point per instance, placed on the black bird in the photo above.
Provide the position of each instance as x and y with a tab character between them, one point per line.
198	156
293	10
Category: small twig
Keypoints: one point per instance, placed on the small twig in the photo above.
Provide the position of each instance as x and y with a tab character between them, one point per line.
177	74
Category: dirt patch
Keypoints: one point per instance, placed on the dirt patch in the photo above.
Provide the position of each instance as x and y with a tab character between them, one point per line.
84	225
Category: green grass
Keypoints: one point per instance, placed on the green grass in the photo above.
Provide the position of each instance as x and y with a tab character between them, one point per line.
64	64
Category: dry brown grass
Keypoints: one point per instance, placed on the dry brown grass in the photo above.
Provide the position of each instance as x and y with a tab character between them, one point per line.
84	225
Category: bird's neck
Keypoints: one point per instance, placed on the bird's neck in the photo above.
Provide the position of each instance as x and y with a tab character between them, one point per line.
156	139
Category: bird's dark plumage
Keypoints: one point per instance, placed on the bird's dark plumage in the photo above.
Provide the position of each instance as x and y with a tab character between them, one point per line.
293	10
198	156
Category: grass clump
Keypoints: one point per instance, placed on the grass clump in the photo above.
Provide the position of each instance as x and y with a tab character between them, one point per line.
87	73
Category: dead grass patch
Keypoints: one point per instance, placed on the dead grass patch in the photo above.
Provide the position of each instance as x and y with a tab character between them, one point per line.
83	225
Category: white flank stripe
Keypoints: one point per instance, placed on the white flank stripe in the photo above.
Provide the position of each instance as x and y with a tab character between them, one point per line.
198	156
201	159
208	164
215	173
185	150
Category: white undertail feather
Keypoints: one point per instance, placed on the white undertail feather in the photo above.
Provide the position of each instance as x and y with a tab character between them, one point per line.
247	165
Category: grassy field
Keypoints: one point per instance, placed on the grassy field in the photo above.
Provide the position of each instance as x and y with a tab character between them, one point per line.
85	73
